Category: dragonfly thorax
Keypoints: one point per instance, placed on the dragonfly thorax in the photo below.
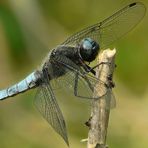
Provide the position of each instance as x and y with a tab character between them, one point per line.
88	49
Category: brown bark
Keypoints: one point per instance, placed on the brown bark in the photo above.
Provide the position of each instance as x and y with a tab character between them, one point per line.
100	108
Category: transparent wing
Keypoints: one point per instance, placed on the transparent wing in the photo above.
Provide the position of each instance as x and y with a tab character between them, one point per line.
46	103
112	28
75	80
110	99
88	83
76	85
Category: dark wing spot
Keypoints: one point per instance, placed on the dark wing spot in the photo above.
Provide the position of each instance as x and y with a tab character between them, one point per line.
133	4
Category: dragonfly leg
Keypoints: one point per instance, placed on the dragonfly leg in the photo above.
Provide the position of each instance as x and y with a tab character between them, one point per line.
91	69
87	68
78	81
99	65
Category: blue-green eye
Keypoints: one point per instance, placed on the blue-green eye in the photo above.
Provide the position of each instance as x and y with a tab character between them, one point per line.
87	44
88	49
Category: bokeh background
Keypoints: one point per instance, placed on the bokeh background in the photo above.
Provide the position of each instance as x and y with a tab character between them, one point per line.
28	30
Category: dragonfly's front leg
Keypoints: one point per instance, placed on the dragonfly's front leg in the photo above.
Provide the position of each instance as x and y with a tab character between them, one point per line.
82	80
88	69
100	64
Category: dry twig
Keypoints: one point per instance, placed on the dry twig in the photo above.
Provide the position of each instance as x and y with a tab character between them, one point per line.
100	109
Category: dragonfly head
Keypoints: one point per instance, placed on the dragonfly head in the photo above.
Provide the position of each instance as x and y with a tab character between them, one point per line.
88	49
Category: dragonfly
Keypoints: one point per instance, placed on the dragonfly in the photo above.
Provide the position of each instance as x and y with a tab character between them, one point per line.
66	66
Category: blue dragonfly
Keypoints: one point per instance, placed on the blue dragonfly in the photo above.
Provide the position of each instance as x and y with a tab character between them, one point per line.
66	66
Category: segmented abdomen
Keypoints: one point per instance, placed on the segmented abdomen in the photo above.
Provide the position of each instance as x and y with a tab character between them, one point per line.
29	82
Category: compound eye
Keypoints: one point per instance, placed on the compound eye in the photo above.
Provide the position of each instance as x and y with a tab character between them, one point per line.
88	49
87	45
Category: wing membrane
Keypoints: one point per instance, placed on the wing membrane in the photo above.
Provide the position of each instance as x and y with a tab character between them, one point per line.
88	83
46	103
78	83
110	99
76	80
112	28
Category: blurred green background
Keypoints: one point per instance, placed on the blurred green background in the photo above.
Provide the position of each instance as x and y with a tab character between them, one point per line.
28	30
